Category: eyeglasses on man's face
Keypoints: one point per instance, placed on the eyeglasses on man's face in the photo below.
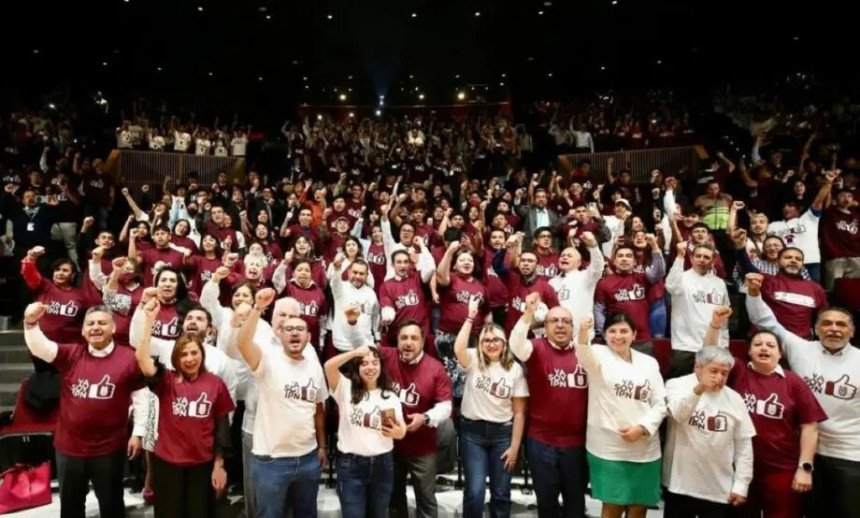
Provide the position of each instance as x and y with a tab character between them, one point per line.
559	320
298	329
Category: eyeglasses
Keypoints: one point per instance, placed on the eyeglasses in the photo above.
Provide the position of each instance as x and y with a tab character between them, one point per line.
495	340
559	320
290	329
544	236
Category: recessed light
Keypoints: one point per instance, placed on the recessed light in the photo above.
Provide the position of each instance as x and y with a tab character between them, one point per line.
477	13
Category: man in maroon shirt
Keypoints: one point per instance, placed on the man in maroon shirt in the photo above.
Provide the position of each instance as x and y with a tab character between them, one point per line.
403	298
304	228
840	239
425	392
218	226
98	378
155	258
558	385
521	283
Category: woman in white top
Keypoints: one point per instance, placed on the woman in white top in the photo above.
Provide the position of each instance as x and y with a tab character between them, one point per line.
493	415
371	418
626	404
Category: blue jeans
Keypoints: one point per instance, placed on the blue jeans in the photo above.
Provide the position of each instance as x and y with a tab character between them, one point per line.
482	444
658	318
557	470
364	484
275	477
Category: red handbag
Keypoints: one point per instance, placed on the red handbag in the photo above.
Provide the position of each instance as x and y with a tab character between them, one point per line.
25	487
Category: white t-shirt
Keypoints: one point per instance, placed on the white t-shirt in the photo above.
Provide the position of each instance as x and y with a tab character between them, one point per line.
575	289
239	145
288	394
488	392
694	298
360	426
156	143
622	394
220	149
833	378
201	146
181	141
123	139
800	232
709	442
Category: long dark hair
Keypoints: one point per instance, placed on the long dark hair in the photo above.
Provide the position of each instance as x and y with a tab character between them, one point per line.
183	302
359	391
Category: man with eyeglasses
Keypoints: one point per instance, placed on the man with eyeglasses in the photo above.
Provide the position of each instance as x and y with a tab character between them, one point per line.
289	431
558	385
544	250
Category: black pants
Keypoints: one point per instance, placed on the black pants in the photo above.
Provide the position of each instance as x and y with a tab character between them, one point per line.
683	506
835	488
182	491
106	474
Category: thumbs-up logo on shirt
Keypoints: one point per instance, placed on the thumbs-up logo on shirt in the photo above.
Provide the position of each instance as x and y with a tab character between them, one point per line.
372	419
501	389
69	309
309	392
201	407
409	396
577	378
104	389
718	423
770	407
643	392
840	388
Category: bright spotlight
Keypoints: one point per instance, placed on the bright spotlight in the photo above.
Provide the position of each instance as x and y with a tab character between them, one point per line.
461	96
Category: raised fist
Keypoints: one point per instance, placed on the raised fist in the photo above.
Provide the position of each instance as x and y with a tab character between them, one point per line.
264	297
35	252
753	283
34	312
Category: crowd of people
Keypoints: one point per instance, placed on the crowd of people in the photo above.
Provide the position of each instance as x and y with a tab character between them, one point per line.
406	280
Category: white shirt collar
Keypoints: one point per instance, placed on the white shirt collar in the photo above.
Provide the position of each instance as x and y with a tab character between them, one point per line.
777	370
100	353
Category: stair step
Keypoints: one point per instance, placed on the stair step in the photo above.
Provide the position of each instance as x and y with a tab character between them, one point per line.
15	372
12	337
14	354
9	393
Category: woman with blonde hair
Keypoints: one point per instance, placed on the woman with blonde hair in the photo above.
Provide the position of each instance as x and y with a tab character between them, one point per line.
492	415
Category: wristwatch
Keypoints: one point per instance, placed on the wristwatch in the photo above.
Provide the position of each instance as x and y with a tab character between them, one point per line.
426	419
806	466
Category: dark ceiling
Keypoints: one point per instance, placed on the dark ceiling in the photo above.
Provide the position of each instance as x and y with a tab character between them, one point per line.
259	55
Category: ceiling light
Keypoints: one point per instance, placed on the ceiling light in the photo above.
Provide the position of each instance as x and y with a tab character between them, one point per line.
329	17
477	13
461	96
351	115
378	113
342	97
502	84
200	8
319	116
504	75
415	15
268	16
602	67
540	13
259	78
549	74
211	74
421	97
104	63
159	69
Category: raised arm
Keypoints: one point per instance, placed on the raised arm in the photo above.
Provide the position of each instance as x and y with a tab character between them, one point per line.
824	191
461	344
719	319
38	344
443	271
519	342
144	360
31	275
333	365
250	351
656	269
135	208
584	353
674	279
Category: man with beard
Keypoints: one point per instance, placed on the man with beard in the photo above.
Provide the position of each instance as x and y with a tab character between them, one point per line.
831	368
794	300
521	283
289	429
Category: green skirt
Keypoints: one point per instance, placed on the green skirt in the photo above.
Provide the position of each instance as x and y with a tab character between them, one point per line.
624	483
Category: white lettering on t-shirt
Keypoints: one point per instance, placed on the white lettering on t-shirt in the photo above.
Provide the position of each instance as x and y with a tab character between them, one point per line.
199	408
851	228
498	388
307	392
371	419
311	309
408	299
69	309
636	292
375	258
84	389
795	298
769	407
712	297
840	388
576	379
547	271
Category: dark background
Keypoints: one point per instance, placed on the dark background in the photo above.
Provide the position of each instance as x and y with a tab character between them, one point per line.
165	50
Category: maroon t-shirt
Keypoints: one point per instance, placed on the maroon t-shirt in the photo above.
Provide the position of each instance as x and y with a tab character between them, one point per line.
519	288
167	325
95	393
778	406
200	270
187	413
497	292
840	233
333	245
318	273
152	260
795	302
558	401
547	265
311	233
407	298
375	257
420	387
222	233
184	242
454	303
65	315
313	306
626	294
